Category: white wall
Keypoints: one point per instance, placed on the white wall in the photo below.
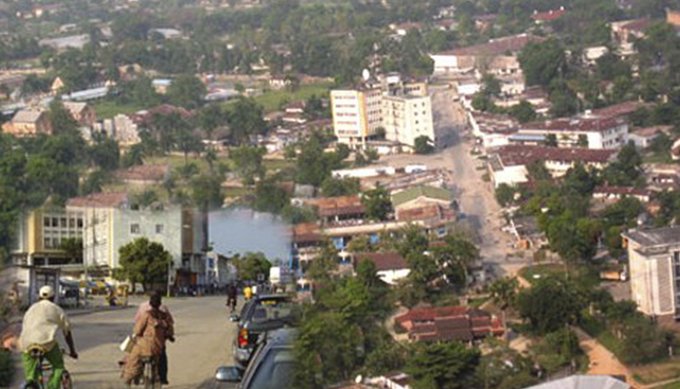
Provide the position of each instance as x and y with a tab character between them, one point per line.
510	175
444	63
392	276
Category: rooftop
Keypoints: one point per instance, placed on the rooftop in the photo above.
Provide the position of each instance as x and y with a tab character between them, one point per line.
639	25
583	382
27	116
342	205
617	110
99	200
384	261
144	173
497	46
656	236
414	193
449	323
549	16
306	232
581	124
622	190
514	155
651	131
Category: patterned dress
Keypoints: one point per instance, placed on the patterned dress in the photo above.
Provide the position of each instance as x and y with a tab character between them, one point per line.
152	329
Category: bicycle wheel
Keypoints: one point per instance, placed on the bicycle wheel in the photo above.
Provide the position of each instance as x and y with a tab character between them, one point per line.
66	382
148	375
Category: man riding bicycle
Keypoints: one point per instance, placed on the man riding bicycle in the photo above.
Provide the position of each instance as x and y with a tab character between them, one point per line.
40	325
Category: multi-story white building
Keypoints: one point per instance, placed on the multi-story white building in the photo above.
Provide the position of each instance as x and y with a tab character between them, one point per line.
111	221
356	115
654	257
408	117
594	132
508	164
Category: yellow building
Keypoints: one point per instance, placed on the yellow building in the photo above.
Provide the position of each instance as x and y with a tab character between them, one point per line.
40	236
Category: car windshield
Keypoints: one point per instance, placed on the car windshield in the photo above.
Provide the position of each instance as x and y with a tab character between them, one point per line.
275	371
272	310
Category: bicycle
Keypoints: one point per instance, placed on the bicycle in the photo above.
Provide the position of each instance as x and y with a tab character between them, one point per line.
150	376
38	353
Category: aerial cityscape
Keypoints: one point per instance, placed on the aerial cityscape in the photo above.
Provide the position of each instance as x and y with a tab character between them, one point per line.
346	194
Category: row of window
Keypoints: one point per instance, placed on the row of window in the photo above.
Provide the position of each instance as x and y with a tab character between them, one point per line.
136	229
62	222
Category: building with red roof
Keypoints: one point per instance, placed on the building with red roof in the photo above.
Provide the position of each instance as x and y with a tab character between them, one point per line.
452	323
548	16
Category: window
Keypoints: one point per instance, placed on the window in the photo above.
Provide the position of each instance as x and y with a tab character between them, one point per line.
63	222
71	223
80	223
47	243
134	229
159	228
55	222
46	221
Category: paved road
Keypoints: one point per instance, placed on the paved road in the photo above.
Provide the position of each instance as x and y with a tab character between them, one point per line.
475	196
204	341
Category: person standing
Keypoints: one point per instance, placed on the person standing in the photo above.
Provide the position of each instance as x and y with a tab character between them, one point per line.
163	358
41	323
232	294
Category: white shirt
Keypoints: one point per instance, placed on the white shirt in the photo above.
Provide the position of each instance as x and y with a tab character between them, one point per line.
41	322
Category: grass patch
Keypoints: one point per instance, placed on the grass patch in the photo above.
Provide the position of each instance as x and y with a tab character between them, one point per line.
478	301
272	100
536	272
234	191
107	109
659	371
278	164
662	157
674	385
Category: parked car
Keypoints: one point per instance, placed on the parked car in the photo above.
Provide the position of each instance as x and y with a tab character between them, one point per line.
271	366
261	314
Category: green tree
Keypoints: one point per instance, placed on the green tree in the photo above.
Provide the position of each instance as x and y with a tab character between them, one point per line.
73	248
144	262
504	292
270	197
186	91
333	187
627	168
542	62
423	145
245	120
61	119
314	165
251	265
377	203
105	153
551	140
212	117
524	112
445	365
505	194
206	191
248	163
550	304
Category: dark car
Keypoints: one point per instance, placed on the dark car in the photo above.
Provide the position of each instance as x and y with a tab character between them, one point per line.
261	314
271	366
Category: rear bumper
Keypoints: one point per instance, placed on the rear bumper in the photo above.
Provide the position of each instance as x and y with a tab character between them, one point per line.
242	355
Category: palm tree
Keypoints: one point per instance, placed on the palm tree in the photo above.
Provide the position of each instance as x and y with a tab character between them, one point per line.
503	293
